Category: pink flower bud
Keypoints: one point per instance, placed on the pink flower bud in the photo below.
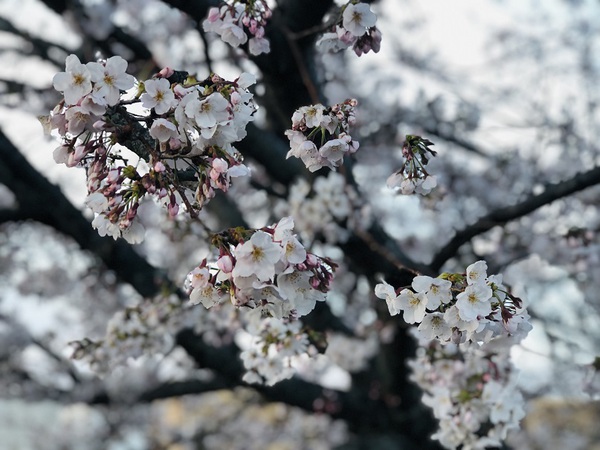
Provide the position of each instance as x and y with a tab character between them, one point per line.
165	73
312	260
99	125
235	98
174	144
173	209
225	263
214	14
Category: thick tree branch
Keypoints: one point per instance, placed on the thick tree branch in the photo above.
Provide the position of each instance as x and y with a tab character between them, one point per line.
179	388
501	216
363	412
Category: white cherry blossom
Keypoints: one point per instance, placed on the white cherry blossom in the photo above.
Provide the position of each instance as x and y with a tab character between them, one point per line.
75	82
208	112
110	78
387	292
257	256
474	302
437	290
357	18
477	272
158	95
412	305
434	326
162	130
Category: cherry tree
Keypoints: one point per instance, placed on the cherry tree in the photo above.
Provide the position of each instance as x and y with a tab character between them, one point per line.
257	227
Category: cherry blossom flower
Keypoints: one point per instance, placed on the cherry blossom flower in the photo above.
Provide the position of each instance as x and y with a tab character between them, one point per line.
75	82
357	17
412	305
477	273
163	130
158	95
257	257
436	290
355	28
110	78
296	287
208	112
238	22
474	302
258	46
319	135
386	291
77	120
434	326
208	295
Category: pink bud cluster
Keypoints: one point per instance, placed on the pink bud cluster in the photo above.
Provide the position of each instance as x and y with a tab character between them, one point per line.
186	125
355	28
412	177
241	21
267	269
319	135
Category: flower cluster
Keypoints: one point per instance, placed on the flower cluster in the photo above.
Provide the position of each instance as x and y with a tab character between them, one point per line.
319	135
145	329
185	133
459	307
275	344
241	21
268	270
354	28
319	209
472	392
412	176
466	326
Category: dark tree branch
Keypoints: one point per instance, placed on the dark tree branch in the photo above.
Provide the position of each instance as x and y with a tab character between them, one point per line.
501	216
453	139
179	388
12	215
363	413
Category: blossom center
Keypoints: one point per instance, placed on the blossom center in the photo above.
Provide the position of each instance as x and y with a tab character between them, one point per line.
109	80
257	253
78	79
